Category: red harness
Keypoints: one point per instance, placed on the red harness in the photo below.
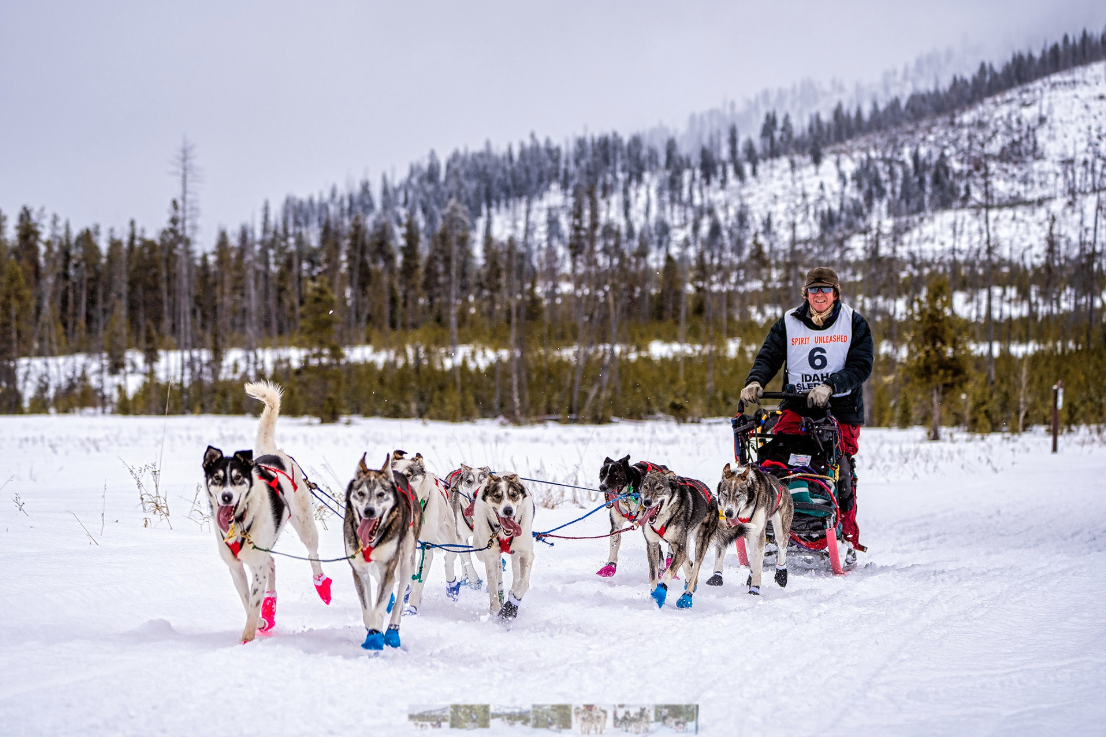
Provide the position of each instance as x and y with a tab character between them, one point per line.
275	483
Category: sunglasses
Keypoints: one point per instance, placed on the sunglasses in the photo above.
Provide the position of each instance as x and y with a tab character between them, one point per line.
820	290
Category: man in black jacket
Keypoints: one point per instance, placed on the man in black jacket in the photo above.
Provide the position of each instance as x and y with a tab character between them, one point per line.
826	350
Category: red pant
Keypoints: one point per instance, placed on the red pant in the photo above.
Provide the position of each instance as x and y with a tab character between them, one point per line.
788	424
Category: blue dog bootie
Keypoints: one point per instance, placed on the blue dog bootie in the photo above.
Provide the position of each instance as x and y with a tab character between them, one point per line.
659	594
374	640
477	583
453	589
391	637
684	602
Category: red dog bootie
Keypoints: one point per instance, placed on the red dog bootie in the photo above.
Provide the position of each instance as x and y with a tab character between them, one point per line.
268	612
322	586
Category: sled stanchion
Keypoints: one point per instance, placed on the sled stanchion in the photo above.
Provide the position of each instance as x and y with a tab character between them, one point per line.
742	555
833	551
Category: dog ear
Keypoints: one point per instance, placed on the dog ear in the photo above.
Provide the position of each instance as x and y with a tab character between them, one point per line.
727	471
607	461
465	468
418	456
212	456
387	464
246	456
625	460
512	478
397	455
744	473
362	467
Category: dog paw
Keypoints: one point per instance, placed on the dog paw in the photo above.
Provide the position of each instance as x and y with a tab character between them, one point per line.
715	580
410	611
391	603
684	602
322	587
754	590
391	637
268	613
781	576
607	571
453	590
476	583
373	641
659	594
508	611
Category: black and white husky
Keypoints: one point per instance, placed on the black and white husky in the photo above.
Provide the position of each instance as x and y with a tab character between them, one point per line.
748	499
381	532
503	524
677	510
251	499
620	484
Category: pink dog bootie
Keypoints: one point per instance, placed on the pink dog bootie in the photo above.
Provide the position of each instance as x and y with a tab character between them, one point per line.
268	612
322	586
607	571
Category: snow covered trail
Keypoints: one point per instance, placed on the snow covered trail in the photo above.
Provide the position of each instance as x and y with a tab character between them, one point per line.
978	610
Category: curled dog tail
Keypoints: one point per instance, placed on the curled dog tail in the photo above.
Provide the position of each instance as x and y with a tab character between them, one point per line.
269	393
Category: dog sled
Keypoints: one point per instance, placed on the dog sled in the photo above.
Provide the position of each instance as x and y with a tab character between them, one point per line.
809	466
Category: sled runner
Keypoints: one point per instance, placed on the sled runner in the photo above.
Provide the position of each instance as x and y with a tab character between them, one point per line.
809	465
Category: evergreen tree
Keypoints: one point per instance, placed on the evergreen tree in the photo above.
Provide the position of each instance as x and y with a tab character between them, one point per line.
938	350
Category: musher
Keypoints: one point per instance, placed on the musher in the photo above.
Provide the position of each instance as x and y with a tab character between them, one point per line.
826	350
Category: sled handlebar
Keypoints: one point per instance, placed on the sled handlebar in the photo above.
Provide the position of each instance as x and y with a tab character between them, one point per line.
775	395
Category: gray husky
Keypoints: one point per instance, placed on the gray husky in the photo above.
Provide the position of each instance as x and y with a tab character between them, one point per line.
747	500
381	532
503	523
677	509
251	499
465	484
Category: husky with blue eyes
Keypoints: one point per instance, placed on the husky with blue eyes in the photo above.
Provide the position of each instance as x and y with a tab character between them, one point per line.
251	498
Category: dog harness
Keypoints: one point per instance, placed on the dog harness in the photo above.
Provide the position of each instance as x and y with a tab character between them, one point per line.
779	498
686	483
275	483
404	487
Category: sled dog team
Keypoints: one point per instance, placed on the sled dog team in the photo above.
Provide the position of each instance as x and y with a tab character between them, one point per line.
390	510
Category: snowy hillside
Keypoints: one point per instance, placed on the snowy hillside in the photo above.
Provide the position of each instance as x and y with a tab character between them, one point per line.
1043	145
977	609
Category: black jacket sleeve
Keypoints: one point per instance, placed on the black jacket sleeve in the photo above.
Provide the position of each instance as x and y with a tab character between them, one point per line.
771	356
858	362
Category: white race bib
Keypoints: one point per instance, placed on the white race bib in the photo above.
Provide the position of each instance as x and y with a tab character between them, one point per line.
814	355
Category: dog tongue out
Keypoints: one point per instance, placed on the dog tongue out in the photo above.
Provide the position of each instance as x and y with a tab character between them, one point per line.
367	529
513	528
224	516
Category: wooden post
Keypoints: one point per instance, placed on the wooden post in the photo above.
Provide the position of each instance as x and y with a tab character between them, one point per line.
1057	405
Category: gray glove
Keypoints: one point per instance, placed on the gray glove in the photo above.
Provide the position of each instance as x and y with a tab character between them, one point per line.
819	396
751	393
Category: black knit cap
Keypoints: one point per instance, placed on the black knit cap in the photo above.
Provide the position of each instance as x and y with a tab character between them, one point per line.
822	276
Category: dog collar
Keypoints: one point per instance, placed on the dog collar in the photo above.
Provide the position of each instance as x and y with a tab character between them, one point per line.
235	540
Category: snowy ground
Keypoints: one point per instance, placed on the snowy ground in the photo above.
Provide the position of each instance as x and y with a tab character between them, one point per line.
978	610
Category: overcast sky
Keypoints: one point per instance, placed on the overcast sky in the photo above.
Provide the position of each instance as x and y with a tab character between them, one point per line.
291	97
